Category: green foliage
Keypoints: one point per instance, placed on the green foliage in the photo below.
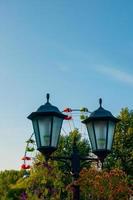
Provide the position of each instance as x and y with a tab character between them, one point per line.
44	182
65	150
7	178
13	193
48	180
65	147
122	153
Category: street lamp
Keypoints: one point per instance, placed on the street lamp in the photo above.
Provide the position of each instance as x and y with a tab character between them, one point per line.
100	126
47	122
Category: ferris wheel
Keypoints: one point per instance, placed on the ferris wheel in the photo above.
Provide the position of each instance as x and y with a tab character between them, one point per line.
72	121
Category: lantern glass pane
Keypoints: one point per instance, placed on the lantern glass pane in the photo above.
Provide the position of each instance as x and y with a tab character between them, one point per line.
57	124
45	130
37	133
91	135
101	133
111	129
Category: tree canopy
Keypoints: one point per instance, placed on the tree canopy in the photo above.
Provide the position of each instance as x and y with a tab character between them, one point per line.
122	152
8	178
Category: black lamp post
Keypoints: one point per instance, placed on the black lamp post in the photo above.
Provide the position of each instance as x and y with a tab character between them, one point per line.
47	123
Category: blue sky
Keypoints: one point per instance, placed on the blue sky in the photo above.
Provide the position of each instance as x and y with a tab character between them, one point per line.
76	50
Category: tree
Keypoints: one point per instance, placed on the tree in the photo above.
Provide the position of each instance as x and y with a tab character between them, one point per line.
65	149
122	152
7	178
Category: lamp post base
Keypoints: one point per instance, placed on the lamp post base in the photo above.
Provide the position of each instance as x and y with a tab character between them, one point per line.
76	192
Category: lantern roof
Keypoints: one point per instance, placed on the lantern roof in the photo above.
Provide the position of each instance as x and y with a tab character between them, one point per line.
46	110
102	114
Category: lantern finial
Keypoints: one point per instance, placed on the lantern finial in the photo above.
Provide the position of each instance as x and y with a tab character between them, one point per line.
100	102
47	96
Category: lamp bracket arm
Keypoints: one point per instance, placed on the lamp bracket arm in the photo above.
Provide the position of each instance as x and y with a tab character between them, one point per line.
89	159
59	158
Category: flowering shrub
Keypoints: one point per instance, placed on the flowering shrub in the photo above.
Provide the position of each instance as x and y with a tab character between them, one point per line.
103	185
44	182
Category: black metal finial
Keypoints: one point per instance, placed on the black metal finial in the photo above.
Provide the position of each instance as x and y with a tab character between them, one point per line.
47	96
100	102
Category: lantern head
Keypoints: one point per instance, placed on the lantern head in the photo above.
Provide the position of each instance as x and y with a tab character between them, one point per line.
47	122
101	126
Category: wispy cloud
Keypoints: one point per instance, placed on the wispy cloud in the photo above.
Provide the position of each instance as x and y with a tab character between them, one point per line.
116	74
